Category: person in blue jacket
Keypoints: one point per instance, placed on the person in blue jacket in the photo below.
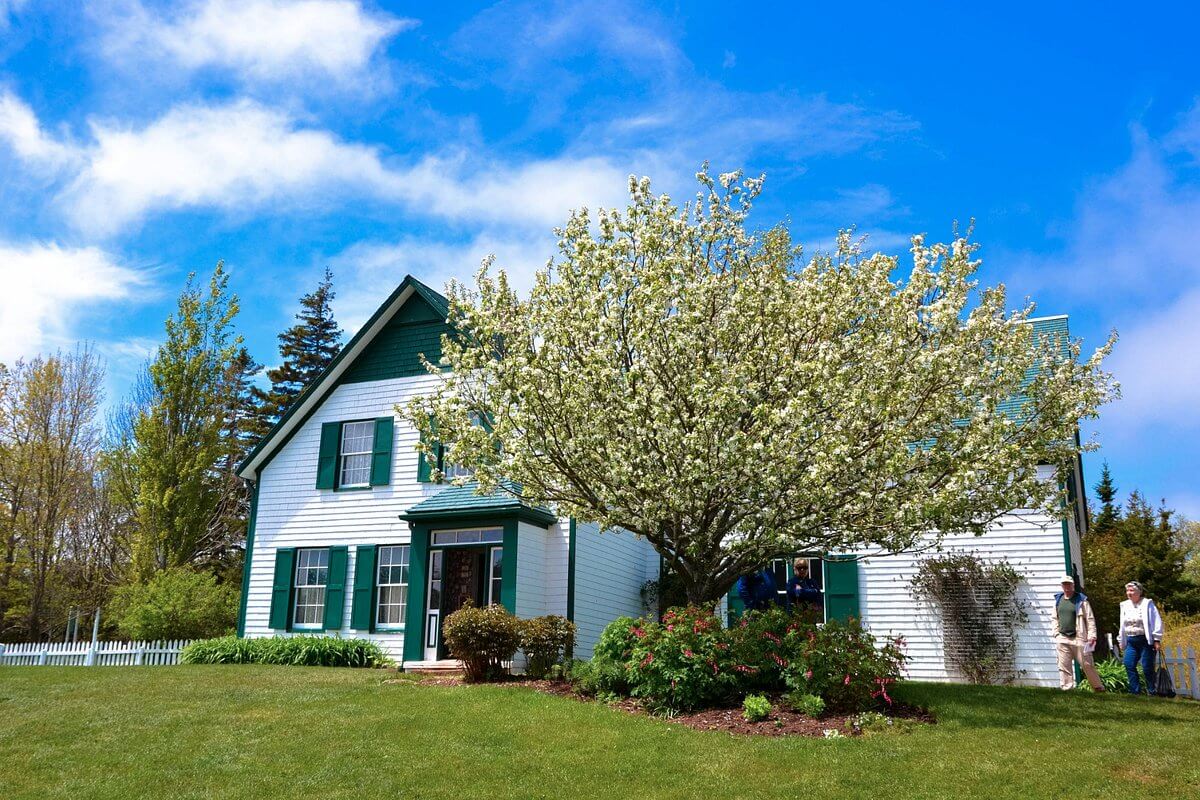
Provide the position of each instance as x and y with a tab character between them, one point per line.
802	591
757	590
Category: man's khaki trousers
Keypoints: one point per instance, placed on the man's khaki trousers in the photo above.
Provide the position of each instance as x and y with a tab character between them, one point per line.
1071	651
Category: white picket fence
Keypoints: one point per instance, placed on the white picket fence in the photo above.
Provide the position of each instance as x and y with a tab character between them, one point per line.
1183	669
84	654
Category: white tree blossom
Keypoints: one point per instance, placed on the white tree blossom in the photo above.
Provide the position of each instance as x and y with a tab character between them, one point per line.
674	374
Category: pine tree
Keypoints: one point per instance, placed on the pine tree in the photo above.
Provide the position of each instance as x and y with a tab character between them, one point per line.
1110	512
307	348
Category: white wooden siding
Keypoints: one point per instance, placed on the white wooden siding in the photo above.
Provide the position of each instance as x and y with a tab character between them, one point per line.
293	513
531	570
557	546
1032	543
610	571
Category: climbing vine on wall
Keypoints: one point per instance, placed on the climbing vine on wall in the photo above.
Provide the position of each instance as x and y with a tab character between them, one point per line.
981	613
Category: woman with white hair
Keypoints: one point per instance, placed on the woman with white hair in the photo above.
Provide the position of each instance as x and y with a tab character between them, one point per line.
1140	636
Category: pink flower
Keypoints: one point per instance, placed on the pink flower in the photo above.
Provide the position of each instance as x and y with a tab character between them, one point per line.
778	660
847	681
638	632
808	674
688	653
649	657
772	637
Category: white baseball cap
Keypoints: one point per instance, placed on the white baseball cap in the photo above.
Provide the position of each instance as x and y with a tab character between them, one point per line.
1067	579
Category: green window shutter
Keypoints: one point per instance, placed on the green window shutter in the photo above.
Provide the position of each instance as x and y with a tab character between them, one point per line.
362	610
335	589
424	468
381	453
327	459
281	589
841	588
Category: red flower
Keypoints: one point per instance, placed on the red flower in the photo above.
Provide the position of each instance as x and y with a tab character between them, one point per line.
638	632
649	657
778	660
687	653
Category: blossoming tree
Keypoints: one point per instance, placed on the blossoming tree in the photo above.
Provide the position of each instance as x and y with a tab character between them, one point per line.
677	375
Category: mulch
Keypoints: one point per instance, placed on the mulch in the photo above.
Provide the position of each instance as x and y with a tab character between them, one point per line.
782	722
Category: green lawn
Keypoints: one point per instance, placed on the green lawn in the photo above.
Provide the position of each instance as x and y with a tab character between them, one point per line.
287	732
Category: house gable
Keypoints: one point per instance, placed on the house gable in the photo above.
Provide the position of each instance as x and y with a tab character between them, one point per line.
409	323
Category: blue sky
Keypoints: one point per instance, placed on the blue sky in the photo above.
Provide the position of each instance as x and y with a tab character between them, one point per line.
141	141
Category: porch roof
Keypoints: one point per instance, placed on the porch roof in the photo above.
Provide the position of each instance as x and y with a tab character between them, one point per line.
466	502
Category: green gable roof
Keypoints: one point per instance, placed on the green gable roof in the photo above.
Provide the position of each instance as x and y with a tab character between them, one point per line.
466	502
409	323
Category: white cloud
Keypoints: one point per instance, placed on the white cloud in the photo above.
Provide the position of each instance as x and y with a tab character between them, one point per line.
229	157
46	286
1158	365
259	40
243	157
19	127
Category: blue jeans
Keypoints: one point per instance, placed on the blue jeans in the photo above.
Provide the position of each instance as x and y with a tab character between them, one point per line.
1138	648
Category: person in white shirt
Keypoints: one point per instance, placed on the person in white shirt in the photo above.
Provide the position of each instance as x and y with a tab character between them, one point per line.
1140	635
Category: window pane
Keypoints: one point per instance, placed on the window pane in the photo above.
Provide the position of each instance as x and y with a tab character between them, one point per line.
357	437
491	535
312	573
444	537
356	470
392	580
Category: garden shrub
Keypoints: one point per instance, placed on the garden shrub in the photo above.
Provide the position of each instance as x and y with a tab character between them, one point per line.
177	603
301	651
841	663
483	639
546	642
690	661
684	662
756	708
810	705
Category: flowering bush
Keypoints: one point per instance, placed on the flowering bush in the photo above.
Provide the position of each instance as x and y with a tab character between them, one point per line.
483	639
841	663
546	640
684	662
690	661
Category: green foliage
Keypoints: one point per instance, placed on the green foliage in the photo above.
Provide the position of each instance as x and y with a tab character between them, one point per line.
756	708
688	661
684	662
841	663
177	603
980	612
178	440
810	705
872	723
483	639
294	651
546	641
1112	675
306	348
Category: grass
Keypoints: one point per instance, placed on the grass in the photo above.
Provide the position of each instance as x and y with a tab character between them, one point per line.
292	732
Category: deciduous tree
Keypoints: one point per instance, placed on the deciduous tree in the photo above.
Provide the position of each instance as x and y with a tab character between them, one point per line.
677	375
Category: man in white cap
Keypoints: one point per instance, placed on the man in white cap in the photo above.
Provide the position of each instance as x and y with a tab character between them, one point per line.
1074	631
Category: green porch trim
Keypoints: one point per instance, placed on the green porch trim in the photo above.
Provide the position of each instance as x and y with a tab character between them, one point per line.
418	593
247	558
420	544
571	571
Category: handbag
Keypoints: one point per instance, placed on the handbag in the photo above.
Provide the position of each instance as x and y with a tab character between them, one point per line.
1163	685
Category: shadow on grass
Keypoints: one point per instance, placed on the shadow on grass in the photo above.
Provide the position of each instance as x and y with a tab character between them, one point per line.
1028	708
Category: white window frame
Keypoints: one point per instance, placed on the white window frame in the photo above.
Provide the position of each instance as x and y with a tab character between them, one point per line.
344	455
306	590
404	565
495	581
467	536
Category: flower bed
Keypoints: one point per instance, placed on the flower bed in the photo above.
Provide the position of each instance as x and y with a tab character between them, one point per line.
689	661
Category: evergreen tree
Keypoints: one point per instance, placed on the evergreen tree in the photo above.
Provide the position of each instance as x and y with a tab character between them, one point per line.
307	348
1110	511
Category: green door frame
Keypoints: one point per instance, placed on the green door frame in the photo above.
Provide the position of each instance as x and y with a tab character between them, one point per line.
419	547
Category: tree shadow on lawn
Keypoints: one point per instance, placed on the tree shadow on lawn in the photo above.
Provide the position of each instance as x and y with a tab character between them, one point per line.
1029	708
